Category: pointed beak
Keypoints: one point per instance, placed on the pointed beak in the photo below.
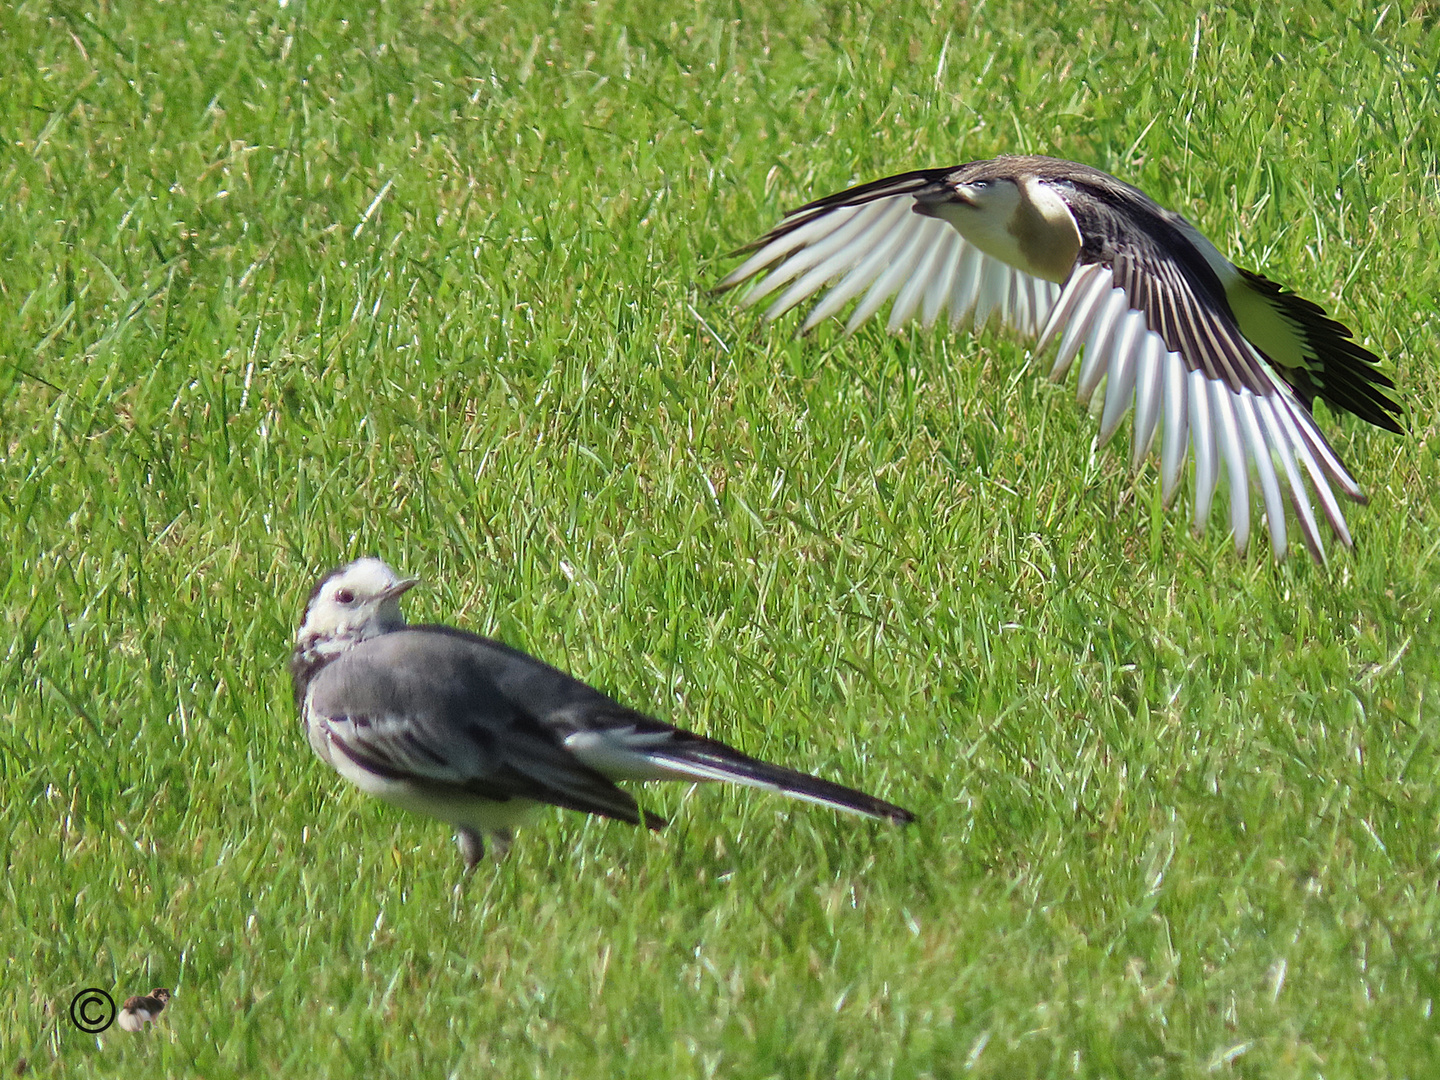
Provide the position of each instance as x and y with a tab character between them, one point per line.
400	587
961	193
929	200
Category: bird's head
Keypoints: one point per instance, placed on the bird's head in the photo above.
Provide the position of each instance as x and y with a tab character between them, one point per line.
994	197
1014	216
357	601
989	202
983	211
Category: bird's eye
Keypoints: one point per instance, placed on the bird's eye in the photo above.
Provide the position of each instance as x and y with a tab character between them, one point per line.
981	184
344	596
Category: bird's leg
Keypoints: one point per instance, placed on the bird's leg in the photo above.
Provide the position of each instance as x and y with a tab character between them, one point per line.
500	841
472	848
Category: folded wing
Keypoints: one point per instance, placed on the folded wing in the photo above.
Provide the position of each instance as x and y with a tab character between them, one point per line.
411	706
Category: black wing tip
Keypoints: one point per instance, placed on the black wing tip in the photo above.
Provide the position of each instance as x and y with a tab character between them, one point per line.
1351	379
859	193
1387	422
726	285
1361	400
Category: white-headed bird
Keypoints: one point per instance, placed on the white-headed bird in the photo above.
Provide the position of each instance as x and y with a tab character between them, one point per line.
442	722
1219	358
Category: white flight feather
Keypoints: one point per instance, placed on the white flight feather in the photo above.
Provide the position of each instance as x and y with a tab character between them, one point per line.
1149	391
1120	379
1174	443
1265	469
1227	437
1097	345
884	251
1202	436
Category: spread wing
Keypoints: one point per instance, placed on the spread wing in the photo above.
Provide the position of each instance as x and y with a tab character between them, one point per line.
869	243
1146	304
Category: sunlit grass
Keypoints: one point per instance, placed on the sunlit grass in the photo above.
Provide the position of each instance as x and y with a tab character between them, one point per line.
282	285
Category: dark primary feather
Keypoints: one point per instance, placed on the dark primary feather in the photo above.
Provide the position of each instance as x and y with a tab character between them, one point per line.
1346	375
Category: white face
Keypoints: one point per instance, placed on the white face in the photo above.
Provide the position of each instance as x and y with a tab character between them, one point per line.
355	602
1024	223
983	213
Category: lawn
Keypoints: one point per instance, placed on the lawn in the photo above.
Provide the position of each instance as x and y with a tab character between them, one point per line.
284	284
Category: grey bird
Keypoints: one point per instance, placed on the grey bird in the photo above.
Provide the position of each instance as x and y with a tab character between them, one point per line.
142	1009
443	722
1197	345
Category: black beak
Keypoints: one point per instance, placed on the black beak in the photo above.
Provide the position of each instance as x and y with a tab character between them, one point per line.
928	200
401	587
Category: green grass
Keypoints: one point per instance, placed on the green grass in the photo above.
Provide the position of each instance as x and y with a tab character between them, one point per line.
285	285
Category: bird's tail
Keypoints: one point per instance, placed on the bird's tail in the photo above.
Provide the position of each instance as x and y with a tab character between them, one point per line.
699	758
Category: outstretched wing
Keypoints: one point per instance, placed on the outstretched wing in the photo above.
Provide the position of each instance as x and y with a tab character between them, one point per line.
1154	318
869	243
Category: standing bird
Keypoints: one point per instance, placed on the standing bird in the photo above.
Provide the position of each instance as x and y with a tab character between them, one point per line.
140	1010
1167	322
446	723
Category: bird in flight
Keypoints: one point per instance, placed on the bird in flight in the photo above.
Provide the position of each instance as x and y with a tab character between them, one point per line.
443	722
1224	362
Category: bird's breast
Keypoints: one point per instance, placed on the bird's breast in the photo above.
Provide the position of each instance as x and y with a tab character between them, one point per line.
1047	240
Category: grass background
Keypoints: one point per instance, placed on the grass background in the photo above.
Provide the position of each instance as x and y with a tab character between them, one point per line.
285	284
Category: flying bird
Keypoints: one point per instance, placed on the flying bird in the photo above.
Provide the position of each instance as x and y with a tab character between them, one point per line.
443	722
1224	361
